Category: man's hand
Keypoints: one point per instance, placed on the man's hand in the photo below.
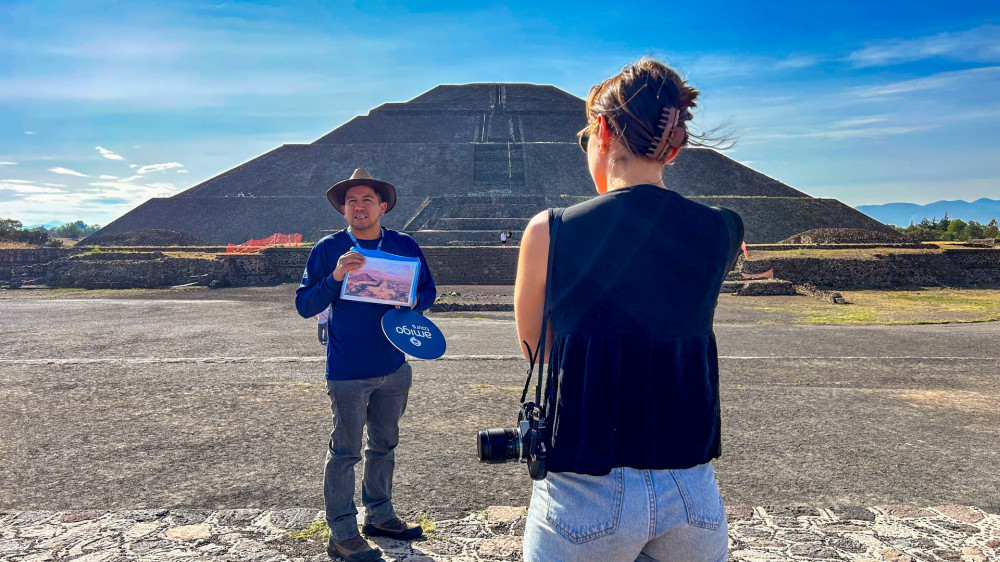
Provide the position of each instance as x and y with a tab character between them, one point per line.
413	306
348	262
322	332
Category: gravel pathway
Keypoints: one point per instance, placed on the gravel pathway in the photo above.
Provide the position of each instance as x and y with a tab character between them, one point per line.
896	533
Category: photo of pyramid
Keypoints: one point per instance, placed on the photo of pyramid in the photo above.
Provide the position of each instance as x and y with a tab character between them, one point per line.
381	280
468	162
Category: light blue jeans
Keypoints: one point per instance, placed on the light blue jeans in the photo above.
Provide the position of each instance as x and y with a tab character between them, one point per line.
377	402
628	515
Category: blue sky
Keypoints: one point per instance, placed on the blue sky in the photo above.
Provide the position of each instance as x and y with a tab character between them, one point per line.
106	104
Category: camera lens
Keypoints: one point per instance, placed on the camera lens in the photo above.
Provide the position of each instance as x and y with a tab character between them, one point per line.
499	444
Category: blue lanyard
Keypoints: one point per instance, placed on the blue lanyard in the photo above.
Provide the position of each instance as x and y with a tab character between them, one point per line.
358	246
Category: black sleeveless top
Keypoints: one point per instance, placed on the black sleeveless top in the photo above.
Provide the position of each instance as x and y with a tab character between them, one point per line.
633	372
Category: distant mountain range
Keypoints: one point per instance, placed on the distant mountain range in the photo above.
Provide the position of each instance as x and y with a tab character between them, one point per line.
902	214
47	225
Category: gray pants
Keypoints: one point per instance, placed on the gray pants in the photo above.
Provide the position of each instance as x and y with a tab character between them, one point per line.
377	402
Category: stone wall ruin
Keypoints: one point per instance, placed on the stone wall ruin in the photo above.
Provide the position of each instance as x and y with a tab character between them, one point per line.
480	265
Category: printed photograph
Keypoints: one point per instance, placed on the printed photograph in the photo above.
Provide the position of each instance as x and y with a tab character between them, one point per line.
382	281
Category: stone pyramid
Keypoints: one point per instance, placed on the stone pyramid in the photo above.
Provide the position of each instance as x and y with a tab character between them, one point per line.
468	161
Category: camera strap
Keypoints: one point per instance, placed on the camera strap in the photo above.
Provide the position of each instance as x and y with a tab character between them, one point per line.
555	218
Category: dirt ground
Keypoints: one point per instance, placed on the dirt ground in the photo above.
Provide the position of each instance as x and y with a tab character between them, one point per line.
215	398
911	306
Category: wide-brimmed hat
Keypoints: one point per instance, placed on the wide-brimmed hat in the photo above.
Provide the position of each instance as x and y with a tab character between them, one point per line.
361	176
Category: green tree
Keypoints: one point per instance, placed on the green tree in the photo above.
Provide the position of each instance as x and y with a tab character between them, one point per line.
74	230
955	229
10	229
36	236
66	230
944	223
974	231
992	230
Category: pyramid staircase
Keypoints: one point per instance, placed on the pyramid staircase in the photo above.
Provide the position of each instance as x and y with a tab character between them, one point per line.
474	220
492	205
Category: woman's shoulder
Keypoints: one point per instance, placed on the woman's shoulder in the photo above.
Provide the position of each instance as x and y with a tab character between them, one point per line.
537	225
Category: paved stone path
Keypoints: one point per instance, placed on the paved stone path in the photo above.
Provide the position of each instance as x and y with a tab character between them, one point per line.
887	533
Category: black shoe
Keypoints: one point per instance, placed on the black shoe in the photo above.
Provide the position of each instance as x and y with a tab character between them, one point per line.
354	549
394	529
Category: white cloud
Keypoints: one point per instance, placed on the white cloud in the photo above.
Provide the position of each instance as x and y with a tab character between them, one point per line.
125	189
30	133
870	132
722	65
51	198
107	177
124	195
100	204
158	167
859	121
55	184
8	163
133	165
122	48
732	66
978	113
182	171
940	81
165	89
67	172
981	44
27	188
844	134
108	154
798	61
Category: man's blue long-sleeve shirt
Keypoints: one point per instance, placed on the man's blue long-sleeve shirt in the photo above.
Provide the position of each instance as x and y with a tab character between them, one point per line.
357	348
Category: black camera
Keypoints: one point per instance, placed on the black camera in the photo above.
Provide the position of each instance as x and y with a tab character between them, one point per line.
524	443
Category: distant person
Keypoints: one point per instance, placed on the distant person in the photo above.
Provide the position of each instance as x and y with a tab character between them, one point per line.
322	327
633	388
503	238
510	236
368	380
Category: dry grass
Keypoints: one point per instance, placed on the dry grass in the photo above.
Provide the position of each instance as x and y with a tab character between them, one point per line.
926	306
8	245
317	531
191	255
853	253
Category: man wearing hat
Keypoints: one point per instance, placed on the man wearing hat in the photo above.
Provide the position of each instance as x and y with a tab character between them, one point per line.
368	379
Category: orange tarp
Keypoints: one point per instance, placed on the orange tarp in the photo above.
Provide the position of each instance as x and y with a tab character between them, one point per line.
257	245
769	274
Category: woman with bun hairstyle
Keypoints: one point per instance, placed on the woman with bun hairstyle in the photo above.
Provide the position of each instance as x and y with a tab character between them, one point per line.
632	390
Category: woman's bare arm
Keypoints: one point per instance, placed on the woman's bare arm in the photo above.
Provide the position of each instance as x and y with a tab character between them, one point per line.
529	288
